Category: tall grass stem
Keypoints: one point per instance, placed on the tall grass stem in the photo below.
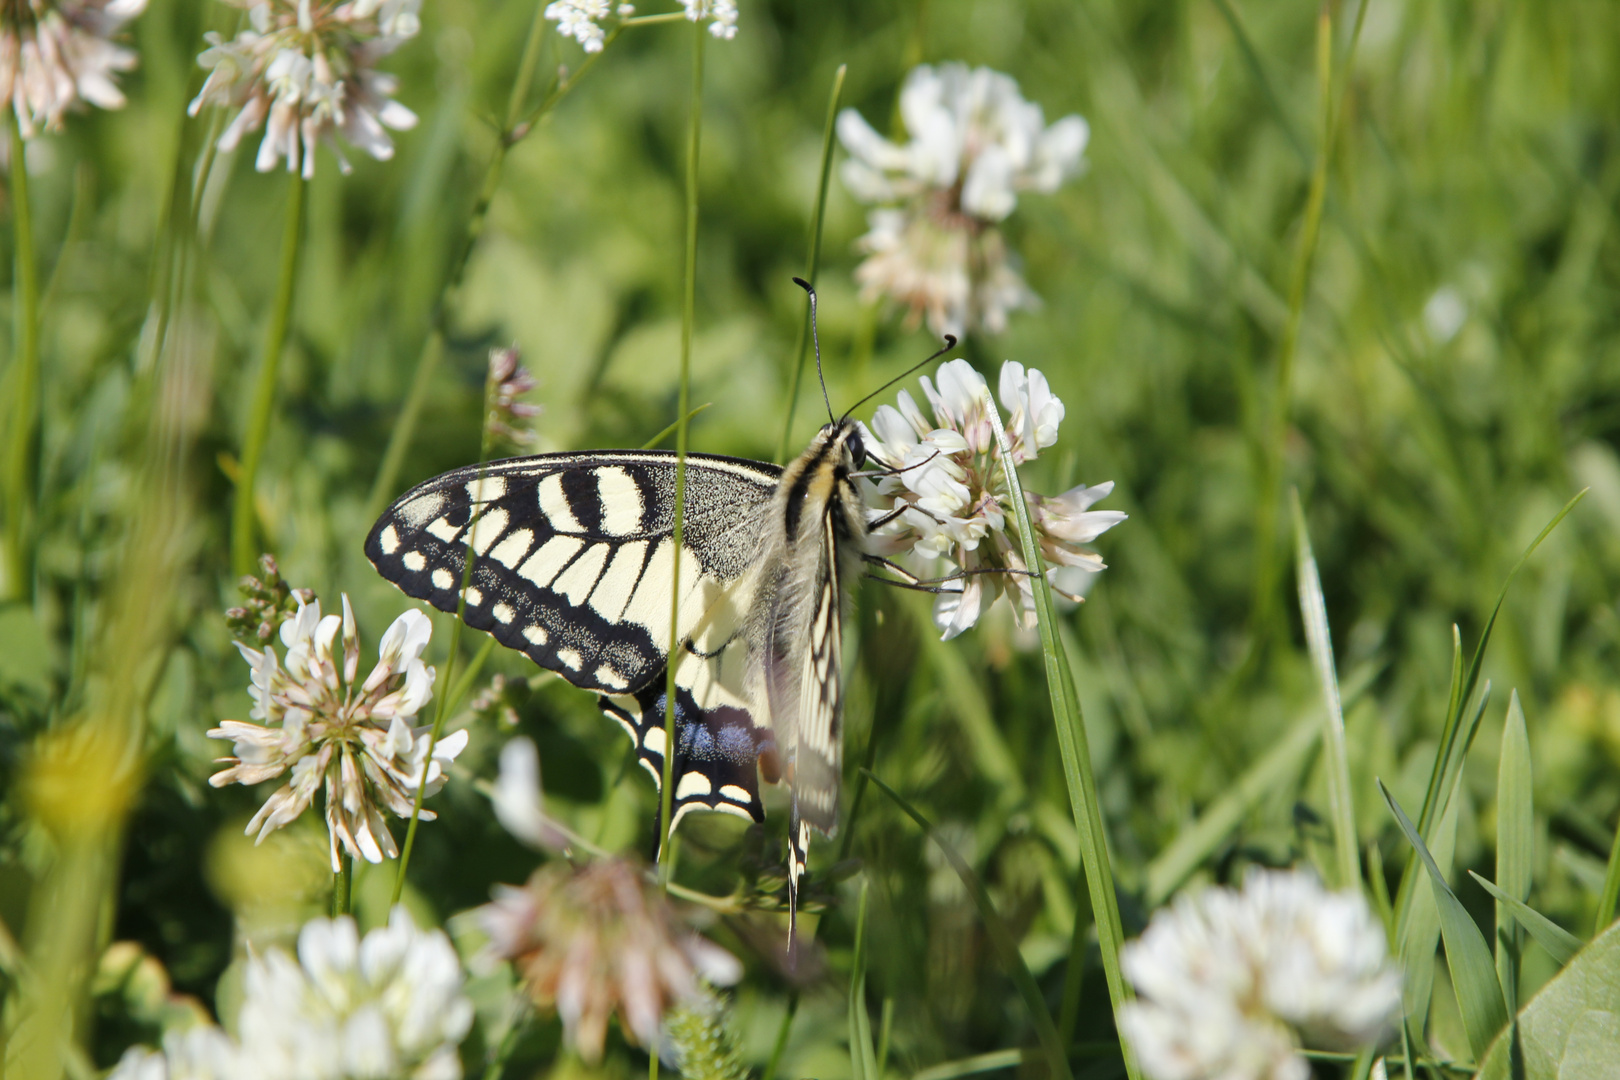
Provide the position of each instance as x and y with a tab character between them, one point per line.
449	698
1611	889
1274	446
25	385
694	145
1072	744
813	260
245	548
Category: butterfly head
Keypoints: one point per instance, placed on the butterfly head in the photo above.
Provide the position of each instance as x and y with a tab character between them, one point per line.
844	437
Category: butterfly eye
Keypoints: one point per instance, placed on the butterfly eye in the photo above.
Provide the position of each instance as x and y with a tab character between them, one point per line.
857	448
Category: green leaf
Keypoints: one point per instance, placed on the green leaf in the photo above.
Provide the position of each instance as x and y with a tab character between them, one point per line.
1554	938
1571	1029
1001	938
1515	844
1419	935
1072	746
25	659
1313	612
862	1057
1473	976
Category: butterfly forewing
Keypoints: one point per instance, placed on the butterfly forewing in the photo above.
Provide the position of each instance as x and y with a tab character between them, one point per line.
574	566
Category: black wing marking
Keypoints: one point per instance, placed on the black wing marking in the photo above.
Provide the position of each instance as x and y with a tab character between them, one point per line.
573	568
574	553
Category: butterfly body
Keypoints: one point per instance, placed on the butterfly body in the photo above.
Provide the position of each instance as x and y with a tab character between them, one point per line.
574	565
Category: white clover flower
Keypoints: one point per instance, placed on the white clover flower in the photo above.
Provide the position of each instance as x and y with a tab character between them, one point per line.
197	1053
721	13
309	66
56	53
518	801
581	20
388	1005
1232	983
947	496
354	738
975	144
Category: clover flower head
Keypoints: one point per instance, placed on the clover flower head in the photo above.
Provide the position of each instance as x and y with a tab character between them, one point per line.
305	70
346	1008
509	380
1232	983
946	496
582	20
722	16
518	800
598	939
331	730
57	53
975	144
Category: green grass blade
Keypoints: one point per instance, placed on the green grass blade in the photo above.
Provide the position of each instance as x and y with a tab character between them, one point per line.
813	262
1072	744
1549	935
1194	844
1313	612
971	1066
1001	938
1473	975
862	1058
672	428
1515	843
1418	934
1463	690
1611	889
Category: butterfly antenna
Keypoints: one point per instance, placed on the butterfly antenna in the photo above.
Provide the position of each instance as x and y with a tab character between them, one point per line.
950	343
815	337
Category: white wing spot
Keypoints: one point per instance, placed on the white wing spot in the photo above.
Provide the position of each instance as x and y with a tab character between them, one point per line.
487	528
654	740
612	592
419	511
621	501
510	552
692	785
389	540
611	678
735	794
571	658
487	489
579	579
415	560
554	504
445	531
472	595
535	635
551	557
443	579
503	613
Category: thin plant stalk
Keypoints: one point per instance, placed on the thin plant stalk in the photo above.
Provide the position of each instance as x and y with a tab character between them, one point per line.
342	885
813	262
1262	607
25	390
514	129
694	144
452	688
244	547
1072	745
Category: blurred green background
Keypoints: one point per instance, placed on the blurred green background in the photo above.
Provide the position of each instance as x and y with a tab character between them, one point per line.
1457	380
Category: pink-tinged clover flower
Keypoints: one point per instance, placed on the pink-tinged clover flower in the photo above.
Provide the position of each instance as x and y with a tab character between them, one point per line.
354	739
933	244
57	53
305	71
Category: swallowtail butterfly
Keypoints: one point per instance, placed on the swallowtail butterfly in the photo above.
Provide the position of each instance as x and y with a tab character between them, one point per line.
572	559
